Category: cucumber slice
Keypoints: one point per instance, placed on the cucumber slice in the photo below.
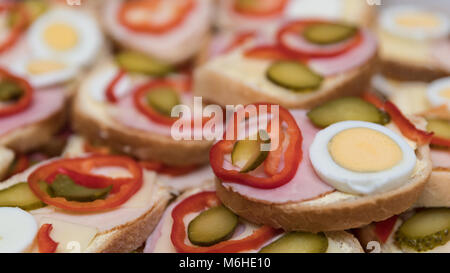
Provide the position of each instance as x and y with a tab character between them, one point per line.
248	154
136	62
298	242
293	75
347	108
328	33
9	91
20	195
212	226
440	127
163	100
65	187
425	230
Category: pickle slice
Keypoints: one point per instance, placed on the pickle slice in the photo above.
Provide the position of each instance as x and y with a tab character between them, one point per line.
347	108
298	242
9	91
249	154
425	230
293	75
163	100
328	33
136	62
65	187
20	195
440	127
212	226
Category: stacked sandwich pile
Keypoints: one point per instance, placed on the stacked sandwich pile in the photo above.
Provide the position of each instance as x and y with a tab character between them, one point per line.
202	126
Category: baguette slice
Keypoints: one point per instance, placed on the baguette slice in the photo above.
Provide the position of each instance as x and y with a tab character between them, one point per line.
338	241
6	159
125	237
334	211
92	120
232	79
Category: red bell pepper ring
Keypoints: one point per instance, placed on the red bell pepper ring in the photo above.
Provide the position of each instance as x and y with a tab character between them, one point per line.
440	141
384	228
24	101
239	40
19	26
45	242
110	89
144	9
261	8
292	156
79	169
202	201
405	126
296	27
267	52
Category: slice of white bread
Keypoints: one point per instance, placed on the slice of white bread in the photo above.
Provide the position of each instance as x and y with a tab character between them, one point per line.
338	241
127	236
232	79
92	120
337	210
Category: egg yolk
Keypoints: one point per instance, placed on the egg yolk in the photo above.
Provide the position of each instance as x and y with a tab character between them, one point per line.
38	67
445	93
364	150
418	20
61	37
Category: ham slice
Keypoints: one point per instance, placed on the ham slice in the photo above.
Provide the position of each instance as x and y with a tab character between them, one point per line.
351	59
305	185
45	103
440	158
441	53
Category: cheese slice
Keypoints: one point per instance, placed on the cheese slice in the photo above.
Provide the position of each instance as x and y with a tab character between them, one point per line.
71	238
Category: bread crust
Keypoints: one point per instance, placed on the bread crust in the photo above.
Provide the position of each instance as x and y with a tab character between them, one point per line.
230	92
346	238
35	135
437	191
131	236
333	216
409	72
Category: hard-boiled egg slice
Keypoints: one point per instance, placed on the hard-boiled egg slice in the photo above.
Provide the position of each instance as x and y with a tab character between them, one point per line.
439	92
18	229
414	22
361	157
71	36
43	73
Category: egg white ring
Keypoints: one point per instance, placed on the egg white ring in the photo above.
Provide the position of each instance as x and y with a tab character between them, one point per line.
15	221
89	36
387	22
360	182
64	75
433	92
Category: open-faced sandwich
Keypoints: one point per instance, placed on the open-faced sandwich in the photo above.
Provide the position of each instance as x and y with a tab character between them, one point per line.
257	15
414	43
197	222
169	30
40	65
302	64
84	204
126	104
332	168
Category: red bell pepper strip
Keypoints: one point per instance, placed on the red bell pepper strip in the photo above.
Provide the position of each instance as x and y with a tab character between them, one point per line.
110	95
405	126
202	201
79	169
261	8
440	141
97	150
136	15
45	242
267	52
384	228
292	156
24	101
18	27
296	27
